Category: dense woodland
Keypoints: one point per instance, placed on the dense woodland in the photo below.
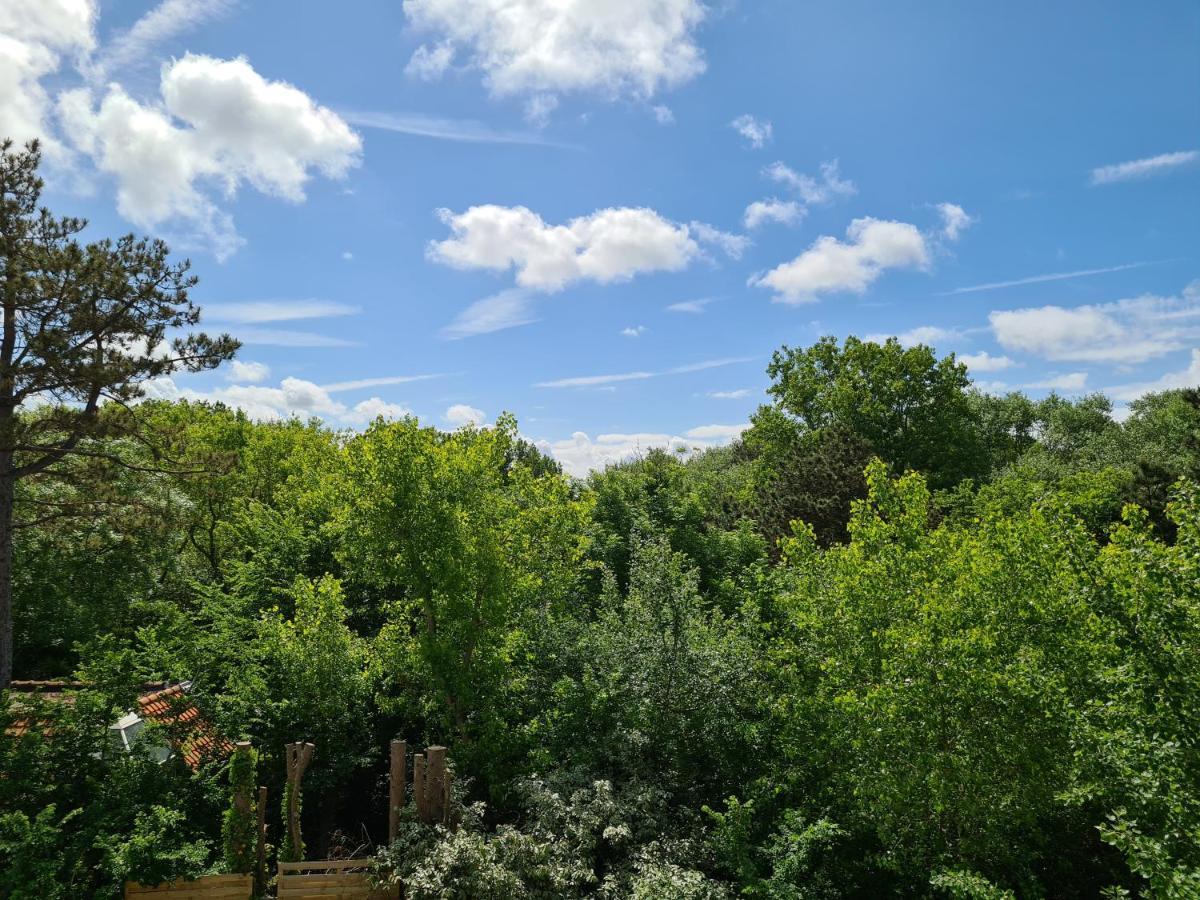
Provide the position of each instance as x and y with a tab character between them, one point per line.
904	638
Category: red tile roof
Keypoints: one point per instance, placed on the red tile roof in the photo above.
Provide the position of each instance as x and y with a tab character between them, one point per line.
189	733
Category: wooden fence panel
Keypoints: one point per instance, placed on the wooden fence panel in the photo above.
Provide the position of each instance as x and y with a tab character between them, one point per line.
207	887
330	879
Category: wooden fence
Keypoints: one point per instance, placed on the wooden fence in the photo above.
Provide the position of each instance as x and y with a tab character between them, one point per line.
330	879
207	887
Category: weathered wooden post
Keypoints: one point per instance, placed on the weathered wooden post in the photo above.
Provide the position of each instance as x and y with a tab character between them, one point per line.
396	788
419	795
260	855
298	757
435	783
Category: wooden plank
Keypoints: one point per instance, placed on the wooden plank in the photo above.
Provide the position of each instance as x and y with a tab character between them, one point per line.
326	864
337	890
396	788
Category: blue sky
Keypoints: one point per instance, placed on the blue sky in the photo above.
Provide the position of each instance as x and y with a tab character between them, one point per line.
605	217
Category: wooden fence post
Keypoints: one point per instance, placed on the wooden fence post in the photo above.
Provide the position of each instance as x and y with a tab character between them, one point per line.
260	856
435	783
298	758
396	789
419	795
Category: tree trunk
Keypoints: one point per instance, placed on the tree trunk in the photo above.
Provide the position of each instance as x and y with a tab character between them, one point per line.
7	485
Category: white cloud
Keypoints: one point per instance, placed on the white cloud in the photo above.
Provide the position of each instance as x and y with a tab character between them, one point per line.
756	131
347	256
1144	168
954	220
539	108
785	212
538	47
929	335
507	309
634	331
429	63
812	190
663	115
716	432
256	312
1071	381
729	395
294	397
580	454
732	245
360	383
34	36
369	410
692	307
598	380
830	265
252	372
220	123
274	337
608	245
1039	279
164	22
1124	332
985	362
1187	378
460	414
465	130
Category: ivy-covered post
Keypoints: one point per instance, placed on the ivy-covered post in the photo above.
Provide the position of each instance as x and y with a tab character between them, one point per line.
298	757
238	827
260	856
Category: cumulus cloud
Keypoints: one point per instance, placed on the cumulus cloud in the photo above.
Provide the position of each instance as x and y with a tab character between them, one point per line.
954	220
580	454
784	212
293	398
607	245
1144	168
1125	332
220	124
1071	381
812	190
756	131
461	414
833	266
35	35
533	47
985	362
250	372
634	331
929	335
1185	378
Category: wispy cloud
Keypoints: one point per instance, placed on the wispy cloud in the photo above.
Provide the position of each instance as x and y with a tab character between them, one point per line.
729	395
1039	279
256	312
599	380
164	22
466	130
269	337
694	307
507	309
360	383
1144	168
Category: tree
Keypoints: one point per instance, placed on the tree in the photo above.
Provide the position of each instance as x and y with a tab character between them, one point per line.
84	326
909	407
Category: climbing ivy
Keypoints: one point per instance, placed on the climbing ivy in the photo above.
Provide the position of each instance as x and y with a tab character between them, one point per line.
240	820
